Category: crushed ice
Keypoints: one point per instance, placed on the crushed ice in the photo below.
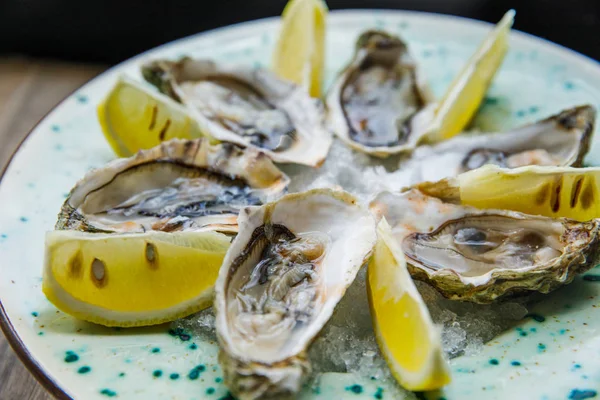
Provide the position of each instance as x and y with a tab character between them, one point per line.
347	344
359	174
201	325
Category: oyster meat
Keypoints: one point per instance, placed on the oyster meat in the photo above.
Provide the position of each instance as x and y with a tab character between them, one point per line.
380	103
180	184
560	140
248	106
481	255
281	278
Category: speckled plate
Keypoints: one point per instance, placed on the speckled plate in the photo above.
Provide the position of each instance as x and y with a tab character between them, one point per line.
553	355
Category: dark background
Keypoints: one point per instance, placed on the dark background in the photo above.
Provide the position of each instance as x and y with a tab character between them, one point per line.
111	31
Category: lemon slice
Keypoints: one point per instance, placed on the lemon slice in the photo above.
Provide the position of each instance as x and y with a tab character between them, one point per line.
299	55
133	118
407	337
553	192
132	279
463	97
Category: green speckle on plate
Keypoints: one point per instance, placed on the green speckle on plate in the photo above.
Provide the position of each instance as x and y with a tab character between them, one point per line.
582	394
536	317
356	389
108	392
180	333
196	371
71	356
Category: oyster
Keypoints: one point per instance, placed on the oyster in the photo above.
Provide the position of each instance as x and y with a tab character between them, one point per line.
380	103
180	184
281	278
481	255
247	106
560	140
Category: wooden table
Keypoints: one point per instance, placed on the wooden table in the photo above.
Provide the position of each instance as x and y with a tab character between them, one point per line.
28	90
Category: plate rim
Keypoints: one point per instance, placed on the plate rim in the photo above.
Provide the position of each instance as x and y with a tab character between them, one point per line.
14	340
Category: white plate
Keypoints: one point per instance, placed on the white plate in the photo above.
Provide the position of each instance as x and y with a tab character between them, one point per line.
558	358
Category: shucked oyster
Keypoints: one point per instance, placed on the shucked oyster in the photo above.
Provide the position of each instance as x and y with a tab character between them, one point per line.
247	106
284	273
180	184
480	255
560	140
380	103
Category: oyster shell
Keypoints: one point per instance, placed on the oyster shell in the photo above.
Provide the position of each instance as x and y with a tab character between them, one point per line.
482	255
284	273
560	140
180	184
247	106
380	103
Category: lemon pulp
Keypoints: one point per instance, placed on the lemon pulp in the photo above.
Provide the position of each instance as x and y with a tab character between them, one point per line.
132	279
465	94
554	192
133	118
407	337
299	55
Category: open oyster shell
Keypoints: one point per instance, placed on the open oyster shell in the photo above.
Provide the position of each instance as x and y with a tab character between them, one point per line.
285	271
180	184
560	140
380	103
481	255
248	106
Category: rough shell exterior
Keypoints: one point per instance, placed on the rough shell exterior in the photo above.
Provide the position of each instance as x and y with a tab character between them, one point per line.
581	254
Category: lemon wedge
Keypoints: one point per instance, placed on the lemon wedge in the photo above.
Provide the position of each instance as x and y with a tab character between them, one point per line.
133	118
407	337
553	192
132	279
299	55
463	97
